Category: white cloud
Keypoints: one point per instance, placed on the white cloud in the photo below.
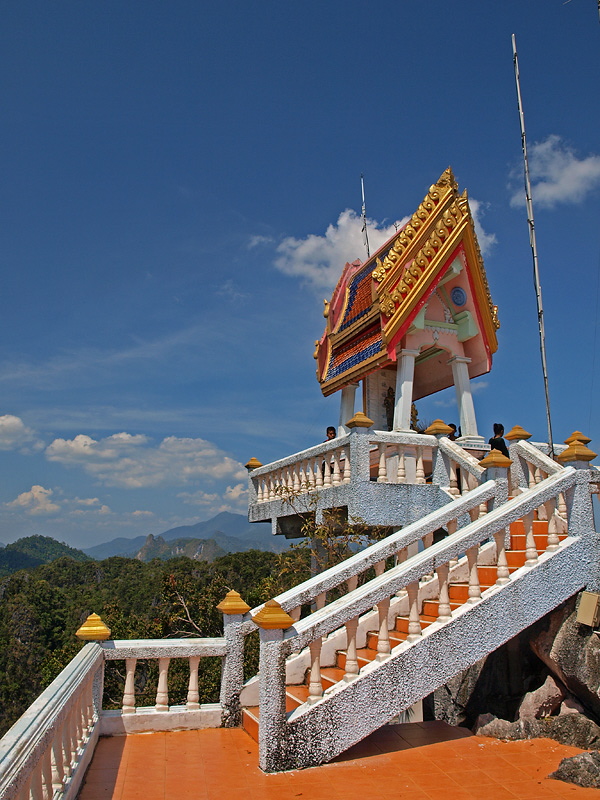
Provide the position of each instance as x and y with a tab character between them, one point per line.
320	259
14	434
36	501
486	240
199	498
557	174
235	498
255	241
127	461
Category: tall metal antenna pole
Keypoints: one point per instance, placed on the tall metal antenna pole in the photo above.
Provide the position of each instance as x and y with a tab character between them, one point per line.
364	216
533	243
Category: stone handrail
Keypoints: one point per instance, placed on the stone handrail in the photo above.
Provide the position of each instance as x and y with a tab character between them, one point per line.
311	589
47	750
312	631
349	458
329	618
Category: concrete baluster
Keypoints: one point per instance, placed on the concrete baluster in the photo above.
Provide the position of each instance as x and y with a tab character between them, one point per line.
382	474
346	462
553	540
502	570
46	770
401	557
295	478
427	542
352	583
315	685
352	668
530	475
474	587
327	471
414	620
162	691
295	613
129	692
318	473
66	747
383	636
37	783
401	465
336	478
444	610
58	761
193	696
420	471
562	506
320	600
454	490
531	553
25	790
451	527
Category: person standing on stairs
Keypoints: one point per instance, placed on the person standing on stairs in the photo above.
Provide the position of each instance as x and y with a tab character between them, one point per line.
497	442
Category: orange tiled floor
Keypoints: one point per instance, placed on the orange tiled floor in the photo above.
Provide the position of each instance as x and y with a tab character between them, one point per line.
417	761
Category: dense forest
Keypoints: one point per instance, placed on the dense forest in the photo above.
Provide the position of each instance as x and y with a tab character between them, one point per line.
42	606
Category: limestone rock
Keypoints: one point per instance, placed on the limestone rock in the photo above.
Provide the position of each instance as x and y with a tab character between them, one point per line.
574	730
543	701
582	769
572	653
571	706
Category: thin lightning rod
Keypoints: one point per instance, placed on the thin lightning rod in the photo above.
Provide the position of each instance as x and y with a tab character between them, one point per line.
364	215
533	243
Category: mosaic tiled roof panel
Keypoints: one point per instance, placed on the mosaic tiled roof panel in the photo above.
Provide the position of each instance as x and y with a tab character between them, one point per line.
359	297
359	349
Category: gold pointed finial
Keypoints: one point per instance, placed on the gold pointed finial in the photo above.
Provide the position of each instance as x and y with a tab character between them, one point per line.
93	630
254	463
359	420
495	459
232	603
272	617
438	426
577	451
325	308
578	436
517	432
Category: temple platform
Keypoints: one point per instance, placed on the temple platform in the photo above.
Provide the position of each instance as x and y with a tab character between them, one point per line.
420	761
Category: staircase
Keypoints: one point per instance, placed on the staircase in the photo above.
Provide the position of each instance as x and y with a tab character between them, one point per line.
328	679
298	694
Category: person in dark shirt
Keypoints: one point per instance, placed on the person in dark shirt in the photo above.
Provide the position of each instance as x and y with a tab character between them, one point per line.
497	442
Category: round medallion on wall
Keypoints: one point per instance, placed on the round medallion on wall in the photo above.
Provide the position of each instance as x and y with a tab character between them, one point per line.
459	296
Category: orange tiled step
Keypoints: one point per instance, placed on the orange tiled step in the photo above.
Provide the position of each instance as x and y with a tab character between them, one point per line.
329	676
373	636
250	721
517	542
515	558
540	527
431	608
402	622
363	656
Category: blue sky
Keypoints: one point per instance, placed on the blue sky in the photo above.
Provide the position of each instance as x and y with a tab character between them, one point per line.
180	184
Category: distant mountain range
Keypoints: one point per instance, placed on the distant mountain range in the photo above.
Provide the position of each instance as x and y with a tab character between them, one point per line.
230	533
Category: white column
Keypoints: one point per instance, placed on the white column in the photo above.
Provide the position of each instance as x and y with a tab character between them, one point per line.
346	407
404	389
464	398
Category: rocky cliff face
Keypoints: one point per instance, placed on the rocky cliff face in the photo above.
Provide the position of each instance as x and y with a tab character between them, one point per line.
557	646
544	683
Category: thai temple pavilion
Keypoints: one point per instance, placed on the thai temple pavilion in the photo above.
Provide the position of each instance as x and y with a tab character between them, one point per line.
415	318
481	546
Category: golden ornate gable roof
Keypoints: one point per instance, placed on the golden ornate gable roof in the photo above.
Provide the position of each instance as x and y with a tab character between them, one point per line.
375	302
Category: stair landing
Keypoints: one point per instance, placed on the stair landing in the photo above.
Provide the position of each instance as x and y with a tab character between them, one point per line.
421	761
